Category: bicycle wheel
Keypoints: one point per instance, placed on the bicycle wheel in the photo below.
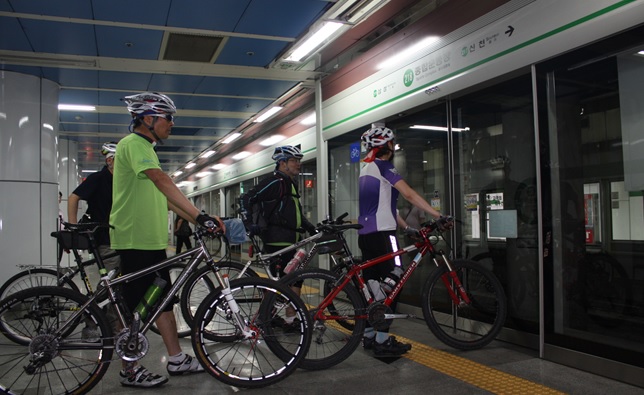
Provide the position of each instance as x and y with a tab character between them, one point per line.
459	325
183	328
203	282
50	362
37	277
331	341
255	359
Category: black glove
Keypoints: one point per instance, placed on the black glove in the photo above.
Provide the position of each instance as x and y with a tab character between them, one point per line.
412	232
445	223
309	227
207	221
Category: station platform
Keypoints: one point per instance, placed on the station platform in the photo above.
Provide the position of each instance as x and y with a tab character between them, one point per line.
430	367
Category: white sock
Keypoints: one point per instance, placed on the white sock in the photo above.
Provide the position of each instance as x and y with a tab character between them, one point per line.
177	358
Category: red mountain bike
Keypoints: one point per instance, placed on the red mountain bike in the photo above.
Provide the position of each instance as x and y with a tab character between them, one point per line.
463	303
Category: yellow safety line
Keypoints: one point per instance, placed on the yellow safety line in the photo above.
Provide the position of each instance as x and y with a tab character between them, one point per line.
473	373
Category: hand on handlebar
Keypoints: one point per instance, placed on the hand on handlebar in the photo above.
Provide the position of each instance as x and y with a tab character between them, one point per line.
213	224
445	222
412	232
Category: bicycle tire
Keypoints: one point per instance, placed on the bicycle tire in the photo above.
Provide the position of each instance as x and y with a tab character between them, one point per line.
36	277
332	342
70	362
202	283
249	362
183	328
465	326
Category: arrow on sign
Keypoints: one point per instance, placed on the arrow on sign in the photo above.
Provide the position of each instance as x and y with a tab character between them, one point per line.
509	31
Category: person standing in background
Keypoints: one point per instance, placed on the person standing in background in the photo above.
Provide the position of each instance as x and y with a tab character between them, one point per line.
96	190
182	231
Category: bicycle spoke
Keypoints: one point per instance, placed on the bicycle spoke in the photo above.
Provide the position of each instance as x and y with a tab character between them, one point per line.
265	356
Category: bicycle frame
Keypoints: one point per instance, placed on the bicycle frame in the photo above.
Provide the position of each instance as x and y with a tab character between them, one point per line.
424	247
265	259
197	254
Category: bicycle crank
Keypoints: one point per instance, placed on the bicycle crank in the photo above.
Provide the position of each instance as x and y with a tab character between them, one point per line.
131	349
377	315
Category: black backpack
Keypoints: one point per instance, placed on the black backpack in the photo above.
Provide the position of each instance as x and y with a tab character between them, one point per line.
252	213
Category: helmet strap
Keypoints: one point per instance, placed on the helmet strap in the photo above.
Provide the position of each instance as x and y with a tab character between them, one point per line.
151	129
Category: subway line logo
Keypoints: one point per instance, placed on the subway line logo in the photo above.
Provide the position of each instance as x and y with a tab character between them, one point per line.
408	78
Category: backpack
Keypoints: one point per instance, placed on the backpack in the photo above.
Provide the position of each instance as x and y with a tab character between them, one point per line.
252	213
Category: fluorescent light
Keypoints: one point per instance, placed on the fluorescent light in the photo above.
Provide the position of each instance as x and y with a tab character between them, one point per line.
268	114
407	53
47	126
89	171
310	120
242	155
218	166
272	140
177	173
75	107
231	137
22	121
438	128
207	154
203	174
191	165
310	44
641	53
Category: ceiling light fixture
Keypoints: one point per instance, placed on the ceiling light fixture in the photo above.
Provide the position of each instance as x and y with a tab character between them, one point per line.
242	155
177	173
231	137
404	55
218	166
207	154
438	128
191	165
203	174
75	107
272	140
314	41
268	114
310	120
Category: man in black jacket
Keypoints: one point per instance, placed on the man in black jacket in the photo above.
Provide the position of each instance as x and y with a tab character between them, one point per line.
279	201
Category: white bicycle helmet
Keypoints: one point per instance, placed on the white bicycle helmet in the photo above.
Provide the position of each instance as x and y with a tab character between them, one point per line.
109	149
149	103
376	137
287	151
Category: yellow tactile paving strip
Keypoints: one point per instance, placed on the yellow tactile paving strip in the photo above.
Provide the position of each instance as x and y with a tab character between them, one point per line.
471	372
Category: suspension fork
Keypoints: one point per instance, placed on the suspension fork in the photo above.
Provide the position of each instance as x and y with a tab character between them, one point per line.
453	283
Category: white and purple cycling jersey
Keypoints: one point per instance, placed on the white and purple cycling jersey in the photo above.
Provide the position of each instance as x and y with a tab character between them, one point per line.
378	197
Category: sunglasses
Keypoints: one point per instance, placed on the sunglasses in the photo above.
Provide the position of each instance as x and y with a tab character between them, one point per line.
168	117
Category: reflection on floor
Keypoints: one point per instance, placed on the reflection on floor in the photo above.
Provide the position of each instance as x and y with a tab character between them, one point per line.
429	367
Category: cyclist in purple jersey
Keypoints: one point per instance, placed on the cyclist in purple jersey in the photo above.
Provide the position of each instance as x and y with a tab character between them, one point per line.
380	185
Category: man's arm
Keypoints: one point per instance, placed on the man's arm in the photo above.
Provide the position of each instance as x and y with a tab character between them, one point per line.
72	208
